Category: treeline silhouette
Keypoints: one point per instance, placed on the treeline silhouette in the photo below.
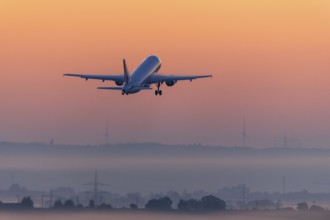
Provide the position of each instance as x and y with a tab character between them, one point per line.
206	203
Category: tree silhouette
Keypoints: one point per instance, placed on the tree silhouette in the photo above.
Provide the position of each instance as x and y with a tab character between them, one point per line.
91	204
134	197
190	205
104	206
133	206
207	203
68	204
163	203
212	203
58	204
302	206
27	203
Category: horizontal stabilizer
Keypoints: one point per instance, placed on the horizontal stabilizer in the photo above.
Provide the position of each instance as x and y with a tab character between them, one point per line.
111	88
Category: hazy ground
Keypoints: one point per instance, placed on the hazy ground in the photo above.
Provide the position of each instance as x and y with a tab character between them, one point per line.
272	215
157	168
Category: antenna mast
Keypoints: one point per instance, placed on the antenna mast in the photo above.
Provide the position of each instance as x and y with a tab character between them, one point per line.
244	135
106	134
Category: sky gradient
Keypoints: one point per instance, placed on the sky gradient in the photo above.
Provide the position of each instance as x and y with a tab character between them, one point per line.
270	61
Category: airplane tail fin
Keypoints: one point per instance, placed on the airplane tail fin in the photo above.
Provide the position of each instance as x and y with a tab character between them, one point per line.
126	72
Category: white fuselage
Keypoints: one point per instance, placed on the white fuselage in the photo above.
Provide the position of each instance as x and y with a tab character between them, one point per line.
140	75
145	75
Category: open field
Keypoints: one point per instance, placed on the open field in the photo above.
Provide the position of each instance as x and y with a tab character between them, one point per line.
237	215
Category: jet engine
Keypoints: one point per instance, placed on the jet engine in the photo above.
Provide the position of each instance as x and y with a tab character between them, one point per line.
118	83
170	83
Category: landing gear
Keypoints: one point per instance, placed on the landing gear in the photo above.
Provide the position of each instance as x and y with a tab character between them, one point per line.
158	91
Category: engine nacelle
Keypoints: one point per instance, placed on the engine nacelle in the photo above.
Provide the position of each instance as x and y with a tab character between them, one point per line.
118	83
170	83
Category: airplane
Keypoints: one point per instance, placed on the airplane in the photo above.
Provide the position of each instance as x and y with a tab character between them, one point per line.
140	79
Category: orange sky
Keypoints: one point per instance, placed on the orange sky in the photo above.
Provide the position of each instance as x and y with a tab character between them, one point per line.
270	61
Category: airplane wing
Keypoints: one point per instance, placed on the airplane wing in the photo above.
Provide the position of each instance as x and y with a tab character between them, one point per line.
117	78
157	78
111	88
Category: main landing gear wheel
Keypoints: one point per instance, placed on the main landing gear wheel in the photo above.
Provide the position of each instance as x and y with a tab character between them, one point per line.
158	91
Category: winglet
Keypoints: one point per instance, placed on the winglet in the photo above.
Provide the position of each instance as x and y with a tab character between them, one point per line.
126	73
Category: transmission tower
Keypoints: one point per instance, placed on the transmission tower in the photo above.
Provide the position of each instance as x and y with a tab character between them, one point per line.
96	188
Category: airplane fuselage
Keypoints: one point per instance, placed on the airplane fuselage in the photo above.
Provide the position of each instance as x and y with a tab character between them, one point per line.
140	75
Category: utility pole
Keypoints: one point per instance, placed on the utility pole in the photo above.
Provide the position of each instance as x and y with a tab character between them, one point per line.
243	195
51	202
42	201
284	185
96	188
